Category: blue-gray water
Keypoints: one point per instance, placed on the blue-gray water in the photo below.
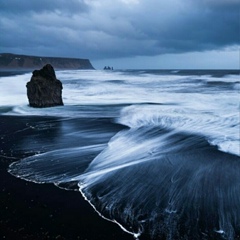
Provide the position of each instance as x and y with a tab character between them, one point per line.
156	152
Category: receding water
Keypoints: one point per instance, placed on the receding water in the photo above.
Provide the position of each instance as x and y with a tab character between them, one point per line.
156	152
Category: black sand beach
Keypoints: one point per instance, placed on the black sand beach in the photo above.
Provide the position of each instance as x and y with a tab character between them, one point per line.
43	211
149	150
30	211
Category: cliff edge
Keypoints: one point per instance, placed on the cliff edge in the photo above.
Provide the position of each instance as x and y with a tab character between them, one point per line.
25	62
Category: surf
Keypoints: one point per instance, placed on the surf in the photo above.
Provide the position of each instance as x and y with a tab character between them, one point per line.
156	153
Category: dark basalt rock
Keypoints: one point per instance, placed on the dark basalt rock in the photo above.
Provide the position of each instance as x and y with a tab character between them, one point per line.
44	89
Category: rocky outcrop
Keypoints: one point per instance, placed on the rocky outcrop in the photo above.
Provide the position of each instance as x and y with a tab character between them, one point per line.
24	62
44	89
108	68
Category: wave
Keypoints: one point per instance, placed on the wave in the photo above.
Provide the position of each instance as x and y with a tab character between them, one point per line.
56	166
13	90
158	154
221	131
149	180
165	184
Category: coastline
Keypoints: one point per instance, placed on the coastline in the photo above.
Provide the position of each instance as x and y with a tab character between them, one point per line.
43	211
18	61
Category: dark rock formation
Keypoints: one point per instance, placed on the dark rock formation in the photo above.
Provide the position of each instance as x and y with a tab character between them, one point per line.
24	62
44	89
108	68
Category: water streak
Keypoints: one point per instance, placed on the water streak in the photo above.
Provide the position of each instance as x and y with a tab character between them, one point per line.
155	152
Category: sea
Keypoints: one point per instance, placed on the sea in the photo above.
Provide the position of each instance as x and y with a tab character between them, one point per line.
154	151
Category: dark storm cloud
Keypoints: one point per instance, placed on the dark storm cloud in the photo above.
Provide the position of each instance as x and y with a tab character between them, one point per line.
190	25
24	6
123	28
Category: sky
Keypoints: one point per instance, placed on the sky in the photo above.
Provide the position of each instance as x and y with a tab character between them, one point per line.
126	34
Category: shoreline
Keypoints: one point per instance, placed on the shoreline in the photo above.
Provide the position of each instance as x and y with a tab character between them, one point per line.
34	211
43	211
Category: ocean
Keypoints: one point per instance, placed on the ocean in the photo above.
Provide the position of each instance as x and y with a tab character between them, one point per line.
154	151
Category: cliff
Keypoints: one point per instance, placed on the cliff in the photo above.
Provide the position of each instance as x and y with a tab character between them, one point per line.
24	62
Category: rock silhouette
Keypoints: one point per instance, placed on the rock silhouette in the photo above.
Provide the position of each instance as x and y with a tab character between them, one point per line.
44	89
108	68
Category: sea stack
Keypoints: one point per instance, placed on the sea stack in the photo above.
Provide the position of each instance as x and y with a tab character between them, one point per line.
44	89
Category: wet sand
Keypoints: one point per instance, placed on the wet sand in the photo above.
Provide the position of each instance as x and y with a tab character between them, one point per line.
42	211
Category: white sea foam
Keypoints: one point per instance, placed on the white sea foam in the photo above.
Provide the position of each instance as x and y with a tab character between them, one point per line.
185	102
158	172
220	128
13	90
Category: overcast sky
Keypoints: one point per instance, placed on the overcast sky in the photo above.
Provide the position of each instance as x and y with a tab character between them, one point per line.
125	33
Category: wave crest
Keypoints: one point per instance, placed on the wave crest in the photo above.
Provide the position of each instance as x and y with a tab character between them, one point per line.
150	181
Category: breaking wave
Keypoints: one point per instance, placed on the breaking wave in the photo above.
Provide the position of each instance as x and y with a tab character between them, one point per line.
157	154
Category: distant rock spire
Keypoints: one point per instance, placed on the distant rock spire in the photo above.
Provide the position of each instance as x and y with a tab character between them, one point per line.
108	68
